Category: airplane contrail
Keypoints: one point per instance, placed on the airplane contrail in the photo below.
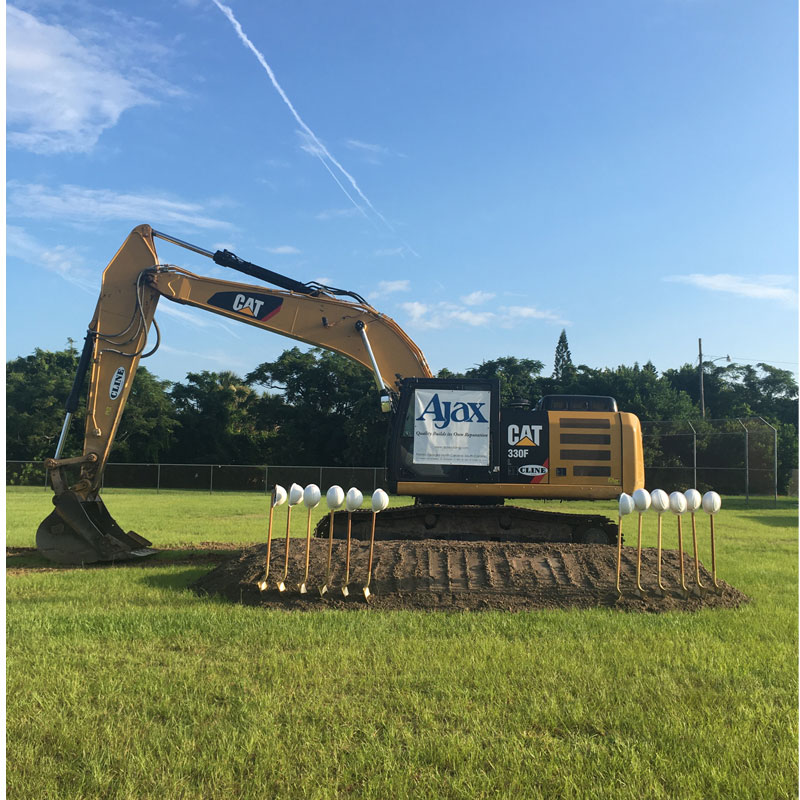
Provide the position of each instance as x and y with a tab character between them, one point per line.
320	148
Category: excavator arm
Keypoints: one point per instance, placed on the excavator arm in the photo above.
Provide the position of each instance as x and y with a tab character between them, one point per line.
80	529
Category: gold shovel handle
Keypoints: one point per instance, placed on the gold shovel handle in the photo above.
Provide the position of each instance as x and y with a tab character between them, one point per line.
696	559
371	550
680	555
639	557
330	549
269	543
347	555
288	531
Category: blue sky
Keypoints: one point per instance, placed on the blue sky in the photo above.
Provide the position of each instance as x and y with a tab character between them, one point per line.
486	174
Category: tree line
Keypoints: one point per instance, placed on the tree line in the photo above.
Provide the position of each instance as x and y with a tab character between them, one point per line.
317	407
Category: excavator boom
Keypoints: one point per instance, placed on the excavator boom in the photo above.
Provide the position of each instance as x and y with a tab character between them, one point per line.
80	529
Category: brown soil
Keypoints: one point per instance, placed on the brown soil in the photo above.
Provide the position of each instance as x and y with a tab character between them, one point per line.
433	574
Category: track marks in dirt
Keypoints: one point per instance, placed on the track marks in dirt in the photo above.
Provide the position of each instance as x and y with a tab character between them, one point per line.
432	574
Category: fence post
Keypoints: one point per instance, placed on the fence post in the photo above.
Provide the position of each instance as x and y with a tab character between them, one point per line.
158	478
320	478
775	461
774	457
266	480
746	462
211	479
694	454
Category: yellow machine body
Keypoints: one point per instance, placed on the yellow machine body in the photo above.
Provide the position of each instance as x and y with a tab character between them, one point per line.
597	461
591	456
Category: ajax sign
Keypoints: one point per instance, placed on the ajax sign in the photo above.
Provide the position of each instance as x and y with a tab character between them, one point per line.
448	411
451	426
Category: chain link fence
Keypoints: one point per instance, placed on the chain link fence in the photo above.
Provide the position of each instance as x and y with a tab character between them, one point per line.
209	477
730	456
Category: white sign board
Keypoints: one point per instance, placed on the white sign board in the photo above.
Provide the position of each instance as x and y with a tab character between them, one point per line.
451	426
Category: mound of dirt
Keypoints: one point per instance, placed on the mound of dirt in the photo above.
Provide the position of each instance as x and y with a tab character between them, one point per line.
433	574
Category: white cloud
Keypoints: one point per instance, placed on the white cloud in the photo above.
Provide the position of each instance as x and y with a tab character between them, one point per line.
443	315
477	298
283	250
388	287
337	213
372	153
220	357
62	91
68	263
80	205
196	319
474	318
419	314
64	261
375	149
229	246
529	312
762	287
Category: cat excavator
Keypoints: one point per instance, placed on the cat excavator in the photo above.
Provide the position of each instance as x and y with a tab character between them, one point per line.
450	445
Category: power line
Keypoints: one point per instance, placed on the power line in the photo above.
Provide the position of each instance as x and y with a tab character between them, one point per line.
756	360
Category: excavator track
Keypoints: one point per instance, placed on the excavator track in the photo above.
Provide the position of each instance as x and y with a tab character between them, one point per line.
475	524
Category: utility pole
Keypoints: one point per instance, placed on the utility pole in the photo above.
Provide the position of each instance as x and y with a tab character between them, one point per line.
700	367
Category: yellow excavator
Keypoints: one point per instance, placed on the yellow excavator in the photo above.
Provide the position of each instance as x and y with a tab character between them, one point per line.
451	445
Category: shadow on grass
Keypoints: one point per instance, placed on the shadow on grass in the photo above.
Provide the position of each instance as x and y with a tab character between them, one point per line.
176	581
778	520
759	504
24	559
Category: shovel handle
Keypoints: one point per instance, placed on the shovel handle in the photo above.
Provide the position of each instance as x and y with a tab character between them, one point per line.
269	542
371	550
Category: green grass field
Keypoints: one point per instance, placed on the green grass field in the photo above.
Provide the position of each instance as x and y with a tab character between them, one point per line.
123	684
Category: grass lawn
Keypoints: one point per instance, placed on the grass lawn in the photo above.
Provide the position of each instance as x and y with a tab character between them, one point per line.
123	684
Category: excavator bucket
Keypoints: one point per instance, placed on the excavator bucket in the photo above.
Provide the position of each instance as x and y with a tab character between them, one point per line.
83	532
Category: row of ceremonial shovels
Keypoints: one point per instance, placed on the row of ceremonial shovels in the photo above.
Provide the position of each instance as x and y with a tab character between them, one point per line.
335	498
679	503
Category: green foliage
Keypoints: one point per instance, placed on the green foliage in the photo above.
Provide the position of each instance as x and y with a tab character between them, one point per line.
518	376
322	408
737	390
218	421
330	411
636	389
148	424
36	389
563	368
